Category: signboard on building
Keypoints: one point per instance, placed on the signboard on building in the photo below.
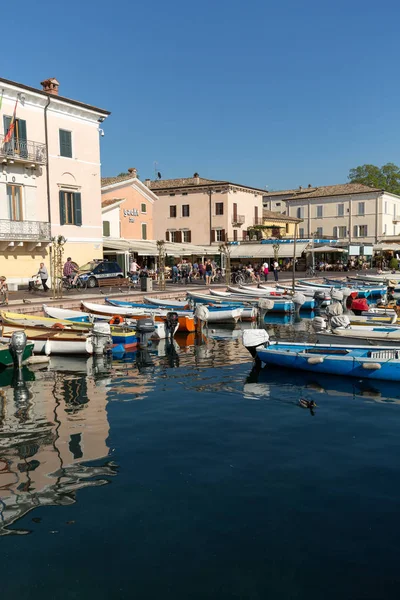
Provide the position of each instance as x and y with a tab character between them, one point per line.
354	250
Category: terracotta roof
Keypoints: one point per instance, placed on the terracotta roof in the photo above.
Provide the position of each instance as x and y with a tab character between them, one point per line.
323	191
275	216
56	97
285	192
183	182
110	201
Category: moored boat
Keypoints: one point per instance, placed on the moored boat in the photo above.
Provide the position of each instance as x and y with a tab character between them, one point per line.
6	358
354	361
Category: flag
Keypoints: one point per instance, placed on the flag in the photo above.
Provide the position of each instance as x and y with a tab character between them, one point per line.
11	127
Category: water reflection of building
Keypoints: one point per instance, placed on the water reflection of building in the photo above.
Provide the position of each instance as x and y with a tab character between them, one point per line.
48	428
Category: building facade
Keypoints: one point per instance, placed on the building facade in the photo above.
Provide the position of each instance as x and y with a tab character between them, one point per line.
351	212
204	211
49	177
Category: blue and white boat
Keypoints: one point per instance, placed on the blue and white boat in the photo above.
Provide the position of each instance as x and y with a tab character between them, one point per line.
362	292
363	362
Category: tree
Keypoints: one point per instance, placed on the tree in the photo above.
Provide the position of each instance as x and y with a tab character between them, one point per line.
386	177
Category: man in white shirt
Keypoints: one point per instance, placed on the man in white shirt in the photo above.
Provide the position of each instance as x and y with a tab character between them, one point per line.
134	266
276	269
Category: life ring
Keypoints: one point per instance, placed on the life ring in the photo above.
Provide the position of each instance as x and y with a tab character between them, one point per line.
116	320
58	326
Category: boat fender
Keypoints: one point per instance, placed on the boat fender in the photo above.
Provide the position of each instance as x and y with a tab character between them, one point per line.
58	326
201	313
36	360
265	304
116	320
371	366
47	348
315	360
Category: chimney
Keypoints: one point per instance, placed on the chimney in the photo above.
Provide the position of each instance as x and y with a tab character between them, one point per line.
147	182
50	86
309	185
196	178
300	188
133	172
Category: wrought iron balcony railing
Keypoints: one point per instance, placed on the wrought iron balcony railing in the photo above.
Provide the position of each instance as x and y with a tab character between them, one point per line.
35	231
23	150
238	219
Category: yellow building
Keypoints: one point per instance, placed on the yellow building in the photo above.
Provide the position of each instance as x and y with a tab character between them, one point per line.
275	225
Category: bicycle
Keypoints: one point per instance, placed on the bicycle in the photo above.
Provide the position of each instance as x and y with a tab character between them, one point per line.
241	278
68	285
311	272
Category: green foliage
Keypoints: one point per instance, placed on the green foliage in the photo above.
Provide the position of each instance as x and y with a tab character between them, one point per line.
394	263
386	177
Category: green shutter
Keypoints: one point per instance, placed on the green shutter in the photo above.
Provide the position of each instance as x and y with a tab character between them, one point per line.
65	143
77	209
62	207
6	121
106	228
23	148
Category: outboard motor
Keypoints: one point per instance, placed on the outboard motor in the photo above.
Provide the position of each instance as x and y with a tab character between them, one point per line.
201	314
101	338
171	322
319	324
253	339
17	347
298	300
144	330
340	321
319	298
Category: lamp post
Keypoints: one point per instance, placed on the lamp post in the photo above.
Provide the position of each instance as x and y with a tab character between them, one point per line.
226	249
56	265
161	264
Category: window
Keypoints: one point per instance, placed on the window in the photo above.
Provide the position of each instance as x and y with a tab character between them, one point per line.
300	212
319	232
277	203
144	231
301	233
219	208
14	197
360	230
343	231
172	212
187	236
340	210
106	228
143	208
172	194
65	143
70	208
361	209
185	210
319	212
171	236
219	235
17	144
235	236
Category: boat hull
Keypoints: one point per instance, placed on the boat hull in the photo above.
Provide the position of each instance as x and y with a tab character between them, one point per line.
6	359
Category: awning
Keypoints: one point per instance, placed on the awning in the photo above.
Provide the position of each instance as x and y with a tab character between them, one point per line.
267	250
326	249
389	246
149	247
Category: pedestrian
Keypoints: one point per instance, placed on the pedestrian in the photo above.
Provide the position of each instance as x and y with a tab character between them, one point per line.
175	274
3	290
209	272
134	267
276	269
265	269
43	274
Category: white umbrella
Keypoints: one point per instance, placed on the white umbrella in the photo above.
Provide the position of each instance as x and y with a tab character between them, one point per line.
326	249
391	247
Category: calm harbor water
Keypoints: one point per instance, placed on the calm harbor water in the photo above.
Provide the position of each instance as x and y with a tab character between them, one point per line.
184	472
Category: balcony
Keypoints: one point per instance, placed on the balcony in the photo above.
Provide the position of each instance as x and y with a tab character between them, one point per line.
21	231
238	220
24	151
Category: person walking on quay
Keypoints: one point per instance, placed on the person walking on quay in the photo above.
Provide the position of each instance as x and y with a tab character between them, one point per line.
276	269
265	269
209	272
175	274
43	274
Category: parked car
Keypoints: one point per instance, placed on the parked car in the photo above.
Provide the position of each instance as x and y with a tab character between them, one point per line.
93	271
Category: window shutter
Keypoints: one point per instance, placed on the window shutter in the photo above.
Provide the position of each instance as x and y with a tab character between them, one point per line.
366	230
189	237
167	236
106	228
178	236
256	215
223	235
77	209
355	231
62	207
6	121
244	233
65	143
213	235
22	130
235	211
335	232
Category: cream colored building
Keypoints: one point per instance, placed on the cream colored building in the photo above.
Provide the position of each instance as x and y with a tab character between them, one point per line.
204	211
351	212
49	178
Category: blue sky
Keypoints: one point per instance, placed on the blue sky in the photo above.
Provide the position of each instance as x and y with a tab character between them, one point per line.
276	94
